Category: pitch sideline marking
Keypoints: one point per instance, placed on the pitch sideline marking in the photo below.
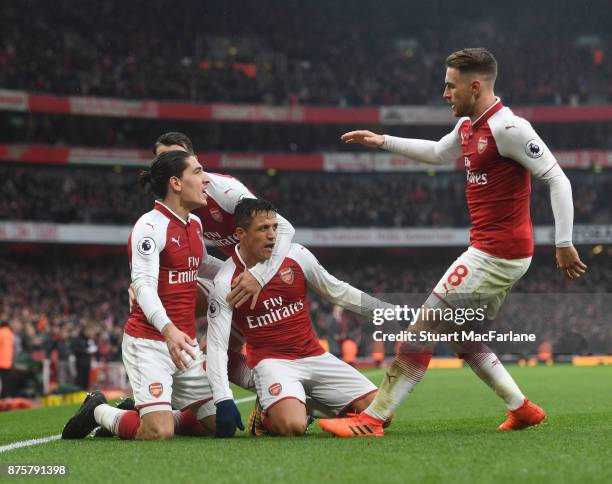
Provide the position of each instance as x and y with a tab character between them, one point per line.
51	438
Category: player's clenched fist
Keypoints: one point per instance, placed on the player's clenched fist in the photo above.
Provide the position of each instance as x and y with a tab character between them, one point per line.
364	137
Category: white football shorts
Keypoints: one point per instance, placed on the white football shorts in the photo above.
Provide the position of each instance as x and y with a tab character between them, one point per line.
158	385
327	380
477	280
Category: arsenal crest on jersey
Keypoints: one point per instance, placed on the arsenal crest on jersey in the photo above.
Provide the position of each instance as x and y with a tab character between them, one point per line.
156	389
216	214
482	144
286	275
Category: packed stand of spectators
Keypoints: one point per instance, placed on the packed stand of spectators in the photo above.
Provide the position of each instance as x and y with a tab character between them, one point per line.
68	309
112	196
72	308
357	53
103	132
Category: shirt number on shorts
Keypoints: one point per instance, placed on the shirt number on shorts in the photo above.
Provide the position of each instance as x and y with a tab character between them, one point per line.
455	277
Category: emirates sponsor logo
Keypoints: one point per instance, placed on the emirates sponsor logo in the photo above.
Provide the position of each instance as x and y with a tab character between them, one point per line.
277	310
182	277
482	145
476	178
156	389
217	240
286	275
216	214
275	389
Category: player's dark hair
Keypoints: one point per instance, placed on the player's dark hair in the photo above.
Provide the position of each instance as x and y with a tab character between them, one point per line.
476	60
174	138
164	167
248	208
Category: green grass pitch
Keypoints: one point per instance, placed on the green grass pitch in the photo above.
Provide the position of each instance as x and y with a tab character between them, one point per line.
444	432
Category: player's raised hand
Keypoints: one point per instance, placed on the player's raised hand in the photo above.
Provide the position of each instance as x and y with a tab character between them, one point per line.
244	287
177	342
363	137
569	263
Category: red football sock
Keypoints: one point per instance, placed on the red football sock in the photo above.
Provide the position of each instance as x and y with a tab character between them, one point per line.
129	423
188	424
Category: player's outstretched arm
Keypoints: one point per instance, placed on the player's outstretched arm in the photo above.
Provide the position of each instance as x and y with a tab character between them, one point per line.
446	150
364	137
333	289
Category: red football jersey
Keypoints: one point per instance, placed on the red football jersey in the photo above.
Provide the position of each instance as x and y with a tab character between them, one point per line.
279	327
165	253
499	151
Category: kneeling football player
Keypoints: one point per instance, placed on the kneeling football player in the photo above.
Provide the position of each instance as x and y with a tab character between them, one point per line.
288	362
162	360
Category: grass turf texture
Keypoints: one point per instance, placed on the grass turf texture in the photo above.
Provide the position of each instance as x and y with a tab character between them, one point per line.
445	431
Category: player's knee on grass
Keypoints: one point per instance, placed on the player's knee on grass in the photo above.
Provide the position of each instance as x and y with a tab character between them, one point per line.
287	418
156	426
209	425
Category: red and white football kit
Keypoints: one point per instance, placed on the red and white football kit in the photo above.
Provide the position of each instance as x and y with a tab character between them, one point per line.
500	151
282	348
224	192
167	254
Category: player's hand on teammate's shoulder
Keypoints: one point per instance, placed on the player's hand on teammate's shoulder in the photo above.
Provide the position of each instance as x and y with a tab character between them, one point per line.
569	263
227	419
364	137
244	287
178	342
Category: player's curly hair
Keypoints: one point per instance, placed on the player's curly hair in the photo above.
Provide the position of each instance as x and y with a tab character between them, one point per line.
248	208
476	60
164	166
174	138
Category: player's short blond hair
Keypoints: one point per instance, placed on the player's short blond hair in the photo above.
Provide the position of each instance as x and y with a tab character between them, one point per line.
476	60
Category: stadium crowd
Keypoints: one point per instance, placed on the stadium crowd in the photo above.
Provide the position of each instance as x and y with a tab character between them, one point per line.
72	309
102	132
241	53
111	196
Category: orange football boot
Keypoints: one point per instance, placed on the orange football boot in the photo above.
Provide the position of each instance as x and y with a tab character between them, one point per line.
353	425
527	415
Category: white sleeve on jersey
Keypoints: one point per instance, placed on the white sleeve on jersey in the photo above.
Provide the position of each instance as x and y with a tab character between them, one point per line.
331	288
209	266
516	139
444	151
228	191
147	242
265	271
217	335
